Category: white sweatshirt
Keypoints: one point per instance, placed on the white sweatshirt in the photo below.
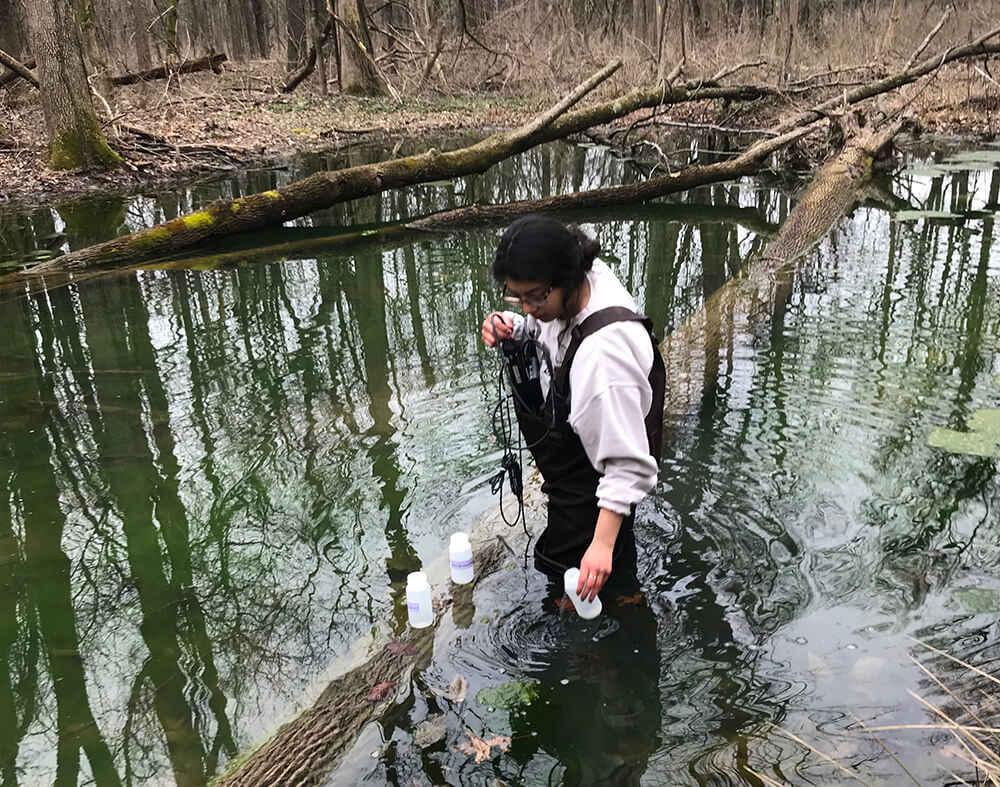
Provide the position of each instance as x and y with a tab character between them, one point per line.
609	390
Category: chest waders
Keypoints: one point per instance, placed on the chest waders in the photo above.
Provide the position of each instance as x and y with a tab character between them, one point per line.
570	481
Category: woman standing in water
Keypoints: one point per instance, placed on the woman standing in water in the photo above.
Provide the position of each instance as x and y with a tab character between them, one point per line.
596	439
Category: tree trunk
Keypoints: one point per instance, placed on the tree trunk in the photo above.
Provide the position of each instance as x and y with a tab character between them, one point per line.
141	35
94	56
313	58
358	75
75	136
170	29
890	30
295	24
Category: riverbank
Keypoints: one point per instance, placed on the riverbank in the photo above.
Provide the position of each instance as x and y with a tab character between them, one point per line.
208	123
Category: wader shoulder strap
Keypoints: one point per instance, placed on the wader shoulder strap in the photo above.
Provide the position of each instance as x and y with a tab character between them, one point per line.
592	324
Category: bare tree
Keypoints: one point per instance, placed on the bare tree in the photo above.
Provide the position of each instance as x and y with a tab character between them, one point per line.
74	135
358	73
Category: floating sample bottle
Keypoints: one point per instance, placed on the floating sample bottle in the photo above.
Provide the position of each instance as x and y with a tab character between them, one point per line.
418	600
585	609
460	552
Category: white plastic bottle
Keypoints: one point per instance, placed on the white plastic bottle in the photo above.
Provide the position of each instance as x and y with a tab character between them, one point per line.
460	552
585	609
418	600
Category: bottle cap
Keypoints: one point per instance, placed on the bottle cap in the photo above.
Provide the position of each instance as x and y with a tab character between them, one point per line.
459	540
416	581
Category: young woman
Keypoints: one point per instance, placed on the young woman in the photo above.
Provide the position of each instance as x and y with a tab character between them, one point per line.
596	440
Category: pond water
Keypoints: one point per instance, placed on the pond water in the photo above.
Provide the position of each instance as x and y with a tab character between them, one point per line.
215	481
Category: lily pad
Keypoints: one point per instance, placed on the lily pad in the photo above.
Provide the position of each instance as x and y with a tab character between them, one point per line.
982	439
916	215
513	694
971	159
978	600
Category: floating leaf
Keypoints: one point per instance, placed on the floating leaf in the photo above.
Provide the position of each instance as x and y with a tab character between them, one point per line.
624	601
916	215
868	669
430	731
982	439
457	690
513	694
978	600
381	690
401	648
970	159
483	748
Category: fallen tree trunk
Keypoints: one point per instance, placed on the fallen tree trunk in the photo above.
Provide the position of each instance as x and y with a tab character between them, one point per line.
904	77
302	752
309	242
208	63
691	352
21	70
258	211
223	218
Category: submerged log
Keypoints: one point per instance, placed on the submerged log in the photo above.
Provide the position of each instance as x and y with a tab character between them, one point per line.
691	352
303	751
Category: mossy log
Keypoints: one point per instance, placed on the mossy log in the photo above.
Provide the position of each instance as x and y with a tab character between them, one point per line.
224	218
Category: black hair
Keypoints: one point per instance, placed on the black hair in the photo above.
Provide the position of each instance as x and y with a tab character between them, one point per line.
538	248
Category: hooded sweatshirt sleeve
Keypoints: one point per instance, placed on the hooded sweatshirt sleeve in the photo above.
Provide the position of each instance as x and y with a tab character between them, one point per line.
611	395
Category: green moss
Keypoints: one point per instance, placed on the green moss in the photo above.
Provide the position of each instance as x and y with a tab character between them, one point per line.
82	147
272	194
151	238
198	220
514	694
236	205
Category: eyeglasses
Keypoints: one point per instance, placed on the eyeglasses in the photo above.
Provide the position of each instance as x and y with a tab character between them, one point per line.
534	301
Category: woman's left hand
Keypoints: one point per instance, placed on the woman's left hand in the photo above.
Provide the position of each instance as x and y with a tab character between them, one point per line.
595	568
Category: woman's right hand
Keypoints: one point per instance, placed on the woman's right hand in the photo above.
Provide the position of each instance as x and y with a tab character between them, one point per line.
497	325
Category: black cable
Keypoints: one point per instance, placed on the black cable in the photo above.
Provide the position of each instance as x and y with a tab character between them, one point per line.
502	425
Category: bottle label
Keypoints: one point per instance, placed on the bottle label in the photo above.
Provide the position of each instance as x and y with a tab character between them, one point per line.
461	563
413	606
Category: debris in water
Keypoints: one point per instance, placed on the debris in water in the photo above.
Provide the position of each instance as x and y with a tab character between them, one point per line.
457	690
381	690
430	731
401	648
481	748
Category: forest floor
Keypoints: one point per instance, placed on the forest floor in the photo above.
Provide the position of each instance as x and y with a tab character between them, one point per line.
205	124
